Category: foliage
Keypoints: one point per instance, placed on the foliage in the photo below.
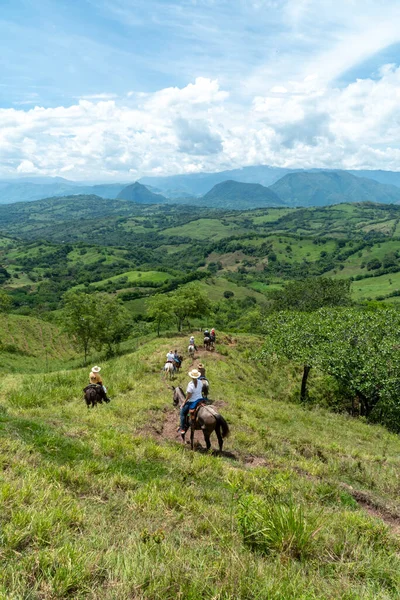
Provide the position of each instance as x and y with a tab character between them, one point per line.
159	309
79	319
5	301
188	301
95	320
359	348
311	294
114	322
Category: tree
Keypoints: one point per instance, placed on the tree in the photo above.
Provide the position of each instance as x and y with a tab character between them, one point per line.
95	320
312	293
114	322
5	301
159	309
188	301
359	348
79	319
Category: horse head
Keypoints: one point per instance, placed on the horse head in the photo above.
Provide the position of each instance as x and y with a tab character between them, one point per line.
178	396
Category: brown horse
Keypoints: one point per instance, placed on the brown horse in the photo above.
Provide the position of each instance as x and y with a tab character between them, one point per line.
94	394
207	419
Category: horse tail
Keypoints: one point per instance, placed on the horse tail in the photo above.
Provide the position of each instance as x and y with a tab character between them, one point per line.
221	423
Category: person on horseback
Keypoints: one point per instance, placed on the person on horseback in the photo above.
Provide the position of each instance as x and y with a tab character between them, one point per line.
192	342
171	357
177	359
212	335
96	380
204	381
194	396
206	333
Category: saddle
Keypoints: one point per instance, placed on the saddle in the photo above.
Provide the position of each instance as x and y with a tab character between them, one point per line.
192	417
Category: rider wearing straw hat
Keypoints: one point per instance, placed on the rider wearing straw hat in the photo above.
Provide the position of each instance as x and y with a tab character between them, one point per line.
95	379
193	397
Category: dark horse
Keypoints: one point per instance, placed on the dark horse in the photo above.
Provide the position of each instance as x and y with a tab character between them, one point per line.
94	394
207	419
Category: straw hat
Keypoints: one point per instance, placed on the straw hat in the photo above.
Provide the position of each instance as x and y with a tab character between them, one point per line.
194	374
96	369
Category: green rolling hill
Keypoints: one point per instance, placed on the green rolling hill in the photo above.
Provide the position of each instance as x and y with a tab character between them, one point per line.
187	522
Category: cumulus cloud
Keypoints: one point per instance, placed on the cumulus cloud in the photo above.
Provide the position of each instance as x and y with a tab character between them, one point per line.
201	127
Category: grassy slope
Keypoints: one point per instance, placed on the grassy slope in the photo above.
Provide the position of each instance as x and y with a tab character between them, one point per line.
28	343
97	504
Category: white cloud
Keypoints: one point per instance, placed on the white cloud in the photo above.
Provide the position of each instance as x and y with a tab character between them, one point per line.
200	127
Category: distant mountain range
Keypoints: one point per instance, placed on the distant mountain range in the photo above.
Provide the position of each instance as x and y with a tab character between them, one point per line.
250	187
230	194
141	194
332	187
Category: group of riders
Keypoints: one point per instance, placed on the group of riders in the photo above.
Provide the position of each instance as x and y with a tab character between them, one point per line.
209	338
196	391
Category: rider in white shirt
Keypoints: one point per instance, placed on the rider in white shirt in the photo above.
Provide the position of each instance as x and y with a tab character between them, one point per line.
171	357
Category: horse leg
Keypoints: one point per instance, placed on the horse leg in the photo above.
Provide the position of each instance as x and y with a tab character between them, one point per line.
207	439
192	437
219	436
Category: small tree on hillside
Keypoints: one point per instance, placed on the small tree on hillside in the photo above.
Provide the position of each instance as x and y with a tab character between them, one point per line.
359	348
114	322
5	302
159	308
79	319
95	320
188	301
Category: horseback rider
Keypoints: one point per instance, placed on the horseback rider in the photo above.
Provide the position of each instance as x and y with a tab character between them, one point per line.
177	359
206	333
171	357
212	335
96	380
204	381
192	342
194	396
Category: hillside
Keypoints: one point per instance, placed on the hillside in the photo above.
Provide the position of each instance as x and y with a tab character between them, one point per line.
332	187
29	344
232	194
140	194
186	522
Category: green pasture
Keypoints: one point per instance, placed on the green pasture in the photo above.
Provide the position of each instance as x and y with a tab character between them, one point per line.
173	248
264	288
375	286
202	229
352	265
269	215
106	503
92	254
215	288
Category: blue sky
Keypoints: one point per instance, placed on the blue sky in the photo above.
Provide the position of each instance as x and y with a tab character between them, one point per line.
132	87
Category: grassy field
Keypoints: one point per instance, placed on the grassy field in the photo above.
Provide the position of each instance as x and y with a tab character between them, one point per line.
30	344
203	229
106	504
375	286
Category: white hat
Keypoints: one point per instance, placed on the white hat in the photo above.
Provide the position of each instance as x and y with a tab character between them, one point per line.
96	369
194	373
